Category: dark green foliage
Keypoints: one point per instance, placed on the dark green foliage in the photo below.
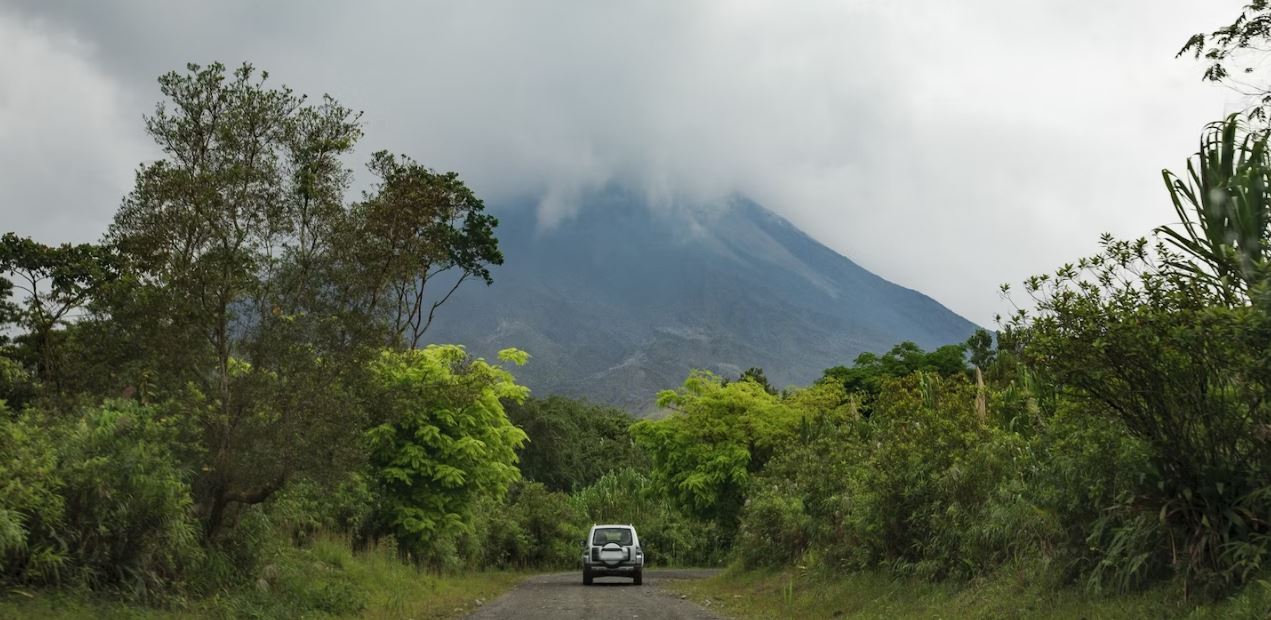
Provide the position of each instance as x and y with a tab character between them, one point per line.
869	371
927	485
1158	352
54	284
669	536
794	504
111	507
17	386
1228	48
1084	469
532	527
1224	211
572	443
979	346
757	375
306	507
252	294
417	226
921	501
31	507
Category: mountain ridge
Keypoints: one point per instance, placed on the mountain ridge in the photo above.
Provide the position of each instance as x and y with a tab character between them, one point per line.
621	299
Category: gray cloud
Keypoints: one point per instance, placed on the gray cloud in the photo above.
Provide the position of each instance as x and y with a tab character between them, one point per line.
947	146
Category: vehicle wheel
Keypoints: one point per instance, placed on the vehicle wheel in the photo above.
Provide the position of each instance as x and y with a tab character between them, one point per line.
638	578
586	576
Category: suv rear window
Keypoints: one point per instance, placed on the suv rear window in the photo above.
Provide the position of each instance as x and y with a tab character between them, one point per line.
606	535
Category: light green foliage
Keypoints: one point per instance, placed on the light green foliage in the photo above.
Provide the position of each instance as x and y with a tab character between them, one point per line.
719	435
445	443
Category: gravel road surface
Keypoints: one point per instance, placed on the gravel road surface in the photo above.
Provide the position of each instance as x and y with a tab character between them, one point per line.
563	595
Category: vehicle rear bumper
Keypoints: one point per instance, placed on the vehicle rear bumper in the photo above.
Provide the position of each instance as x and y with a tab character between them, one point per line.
625	569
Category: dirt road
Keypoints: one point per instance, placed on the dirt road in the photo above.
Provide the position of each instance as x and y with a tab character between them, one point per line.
563	595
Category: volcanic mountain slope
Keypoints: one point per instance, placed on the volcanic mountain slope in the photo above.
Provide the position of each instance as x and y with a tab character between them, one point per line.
622	299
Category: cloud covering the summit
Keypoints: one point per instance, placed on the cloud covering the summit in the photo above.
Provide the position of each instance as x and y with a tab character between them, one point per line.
949	147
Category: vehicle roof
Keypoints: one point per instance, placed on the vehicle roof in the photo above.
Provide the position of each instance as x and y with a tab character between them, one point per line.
600	525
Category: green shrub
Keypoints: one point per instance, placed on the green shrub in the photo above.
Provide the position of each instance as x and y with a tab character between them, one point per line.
239	552
1160	354
444	444
531	528
1086	470
31	508
128	519
305	507
920	499
669	536
572	442
796	501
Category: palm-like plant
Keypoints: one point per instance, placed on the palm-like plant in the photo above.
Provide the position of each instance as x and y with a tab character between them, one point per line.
1224	207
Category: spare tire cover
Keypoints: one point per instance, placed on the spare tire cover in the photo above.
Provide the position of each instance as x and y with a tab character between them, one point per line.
612	554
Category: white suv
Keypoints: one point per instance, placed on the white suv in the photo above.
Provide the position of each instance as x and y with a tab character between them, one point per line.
612	550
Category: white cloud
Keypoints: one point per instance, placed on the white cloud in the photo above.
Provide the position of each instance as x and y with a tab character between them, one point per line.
949	146
67	145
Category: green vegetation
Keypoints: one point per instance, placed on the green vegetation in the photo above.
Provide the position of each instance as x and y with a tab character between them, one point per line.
1014	593
324	579
210	409
222	410
572	443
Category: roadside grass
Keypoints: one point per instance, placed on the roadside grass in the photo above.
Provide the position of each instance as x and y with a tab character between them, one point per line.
1008	594
324	580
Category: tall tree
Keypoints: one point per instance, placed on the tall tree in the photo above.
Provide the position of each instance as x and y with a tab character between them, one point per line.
254	292
55	283
418	227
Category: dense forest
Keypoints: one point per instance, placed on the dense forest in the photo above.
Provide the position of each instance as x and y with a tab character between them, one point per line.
235	370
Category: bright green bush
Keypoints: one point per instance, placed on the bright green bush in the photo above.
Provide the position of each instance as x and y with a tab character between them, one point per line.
444	445
719	436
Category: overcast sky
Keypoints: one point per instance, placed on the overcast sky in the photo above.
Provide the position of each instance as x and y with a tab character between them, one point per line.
947	146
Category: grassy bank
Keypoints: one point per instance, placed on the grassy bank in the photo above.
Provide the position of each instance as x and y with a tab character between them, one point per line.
819	594
326	580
